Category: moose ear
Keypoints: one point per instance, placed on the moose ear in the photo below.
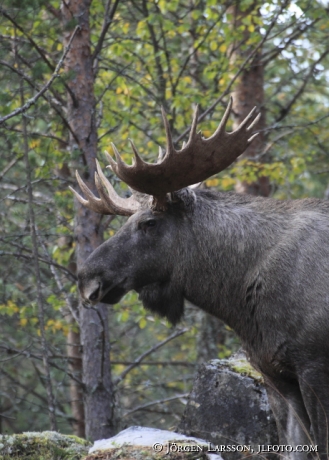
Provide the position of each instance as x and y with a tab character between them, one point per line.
186	196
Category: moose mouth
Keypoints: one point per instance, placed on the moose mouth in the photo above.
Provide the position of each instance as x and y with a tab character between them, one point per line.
115	294
112	295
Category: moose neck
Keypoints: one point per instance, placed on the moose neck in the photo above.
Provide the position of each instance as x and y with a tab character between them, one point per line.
229	238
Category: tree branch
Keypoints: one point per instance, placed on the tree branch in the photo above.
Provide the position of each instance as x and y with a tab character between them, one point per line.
60	286
10	165
38	48
40	300
148	352
37	134
44	95
286	110
54	11
34	99
28	354
109	15
23	256
153	403
30	39
240	70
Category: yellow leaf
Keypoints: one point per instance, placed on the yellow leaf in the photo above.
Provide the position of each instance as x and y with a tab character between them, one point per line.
213	46
126	157
223	48
142	323
23	322
168	93
251	28
34	143
227	182
59	46
187	79
125	27
119	90
10	308
58	325
212	182
125	316
207	133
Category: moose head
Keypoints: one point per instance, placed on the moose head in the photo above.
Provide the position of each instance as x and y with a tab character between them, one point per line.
148	253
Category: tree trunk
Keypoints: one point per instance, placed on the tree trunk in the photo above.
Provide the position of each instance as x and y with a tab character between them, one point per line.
98	387
248	93
76	391
211	334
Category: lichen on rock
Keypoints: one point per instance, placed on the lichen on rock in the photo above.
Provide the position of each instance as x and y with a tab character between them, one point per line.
47	445
240	364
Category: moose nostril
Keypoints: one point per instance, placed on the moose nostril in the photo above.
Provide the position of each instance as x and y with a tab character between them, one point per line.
94	295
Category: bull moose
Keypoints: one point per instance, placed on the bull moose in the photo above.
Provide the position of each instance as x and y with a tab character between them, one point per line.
259	264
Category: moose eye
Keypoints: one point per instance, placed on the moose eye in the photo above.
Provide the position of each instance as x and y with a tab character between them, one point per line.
148	224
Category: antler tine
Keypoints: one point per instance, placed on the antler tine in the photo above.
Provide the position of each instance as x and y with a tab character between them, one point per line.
100	181
193	126
118	205
170	149
138	160
79	197
254	123
246	121
106	204
222	125
119	164
252	138
161	155
92	202
112	164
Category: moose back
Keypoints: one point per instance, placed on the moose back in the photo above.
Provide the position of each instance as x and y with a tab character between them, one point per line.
259	264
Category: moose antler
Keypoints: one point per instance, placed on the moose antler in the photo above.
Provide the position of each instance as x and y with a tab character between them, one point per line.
110	203
198	159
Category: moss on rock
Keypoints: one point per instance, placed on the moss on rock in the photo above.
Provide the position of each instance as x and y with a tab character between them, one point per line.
239	363
47	445
245	368
127	452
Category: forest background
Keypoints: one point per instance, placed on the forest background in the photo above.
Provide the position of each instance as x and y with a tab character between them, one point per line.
77	75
